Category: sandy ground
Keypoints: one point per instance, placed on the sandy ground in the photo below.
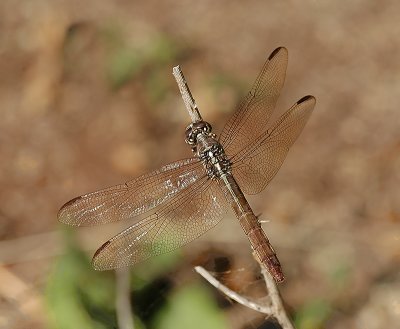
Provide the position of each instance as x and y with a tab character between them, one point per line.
71	124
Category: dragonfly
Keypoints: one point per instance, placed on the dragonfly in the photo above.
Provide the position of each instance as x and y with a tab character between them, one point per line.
180	201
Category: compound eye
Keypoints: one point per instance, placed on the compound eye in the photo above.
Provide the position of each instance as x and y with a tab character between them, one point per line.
189	135
190	140
207	127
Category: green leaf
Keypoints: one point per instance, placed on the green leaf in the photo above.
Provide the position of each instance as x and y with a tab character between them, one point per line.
146	272
156	86
313	315
190	307
122	66
77	296
123	61
163	50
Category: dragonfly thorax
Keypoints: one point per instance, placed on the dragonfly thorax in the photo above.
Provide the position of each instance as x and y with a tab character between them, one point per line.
213	156
205	144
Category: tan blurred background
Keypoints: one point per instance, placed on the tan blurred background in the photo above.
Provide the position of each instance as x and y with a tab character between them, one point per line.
87	100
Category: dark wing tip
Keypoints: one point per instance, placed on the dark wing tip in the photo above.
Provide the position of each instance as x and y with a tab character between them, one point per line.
96	260
62	215
306	98
276	51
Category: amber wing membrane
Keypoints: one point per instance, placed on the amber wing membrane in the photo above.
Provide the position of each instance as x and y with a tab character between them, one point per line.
186	217
132	198
254	112
255	166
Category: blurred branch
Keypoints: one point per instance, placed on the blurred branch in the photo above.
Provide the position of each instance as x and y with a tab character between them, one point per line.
123	303
274	308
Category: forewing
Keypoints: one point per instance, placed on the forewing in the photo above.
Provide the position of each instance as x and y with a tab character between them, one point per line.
255	166
185	218
132	198
250	120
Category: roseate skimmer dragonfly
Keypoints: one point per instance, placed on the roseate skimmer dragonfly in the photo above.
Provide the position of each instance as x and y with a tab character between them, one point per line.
186	198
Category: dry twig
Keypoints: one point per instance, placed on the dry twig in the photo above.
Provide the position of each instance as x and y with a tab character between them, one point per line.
187	97
273	309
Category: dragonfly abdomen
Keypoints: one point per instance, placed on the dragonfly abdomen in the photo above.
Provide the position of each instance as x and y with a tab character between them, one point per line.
251	227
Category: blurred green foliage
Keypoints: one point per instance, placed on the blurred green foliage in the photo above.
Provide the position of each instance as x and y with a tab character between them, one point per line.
220	80
122	65
162	50
122	61
340	276
190	307
79	297
313	315
145	273
125	61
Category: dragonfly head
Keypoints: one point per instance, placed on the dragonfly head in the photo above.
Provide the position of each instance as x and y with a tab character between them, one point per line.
194	129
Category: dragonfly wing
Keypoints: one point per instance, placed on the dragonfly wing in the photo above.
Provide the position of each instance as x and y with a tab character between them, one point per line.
132	198
254	112
255	166
183	219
